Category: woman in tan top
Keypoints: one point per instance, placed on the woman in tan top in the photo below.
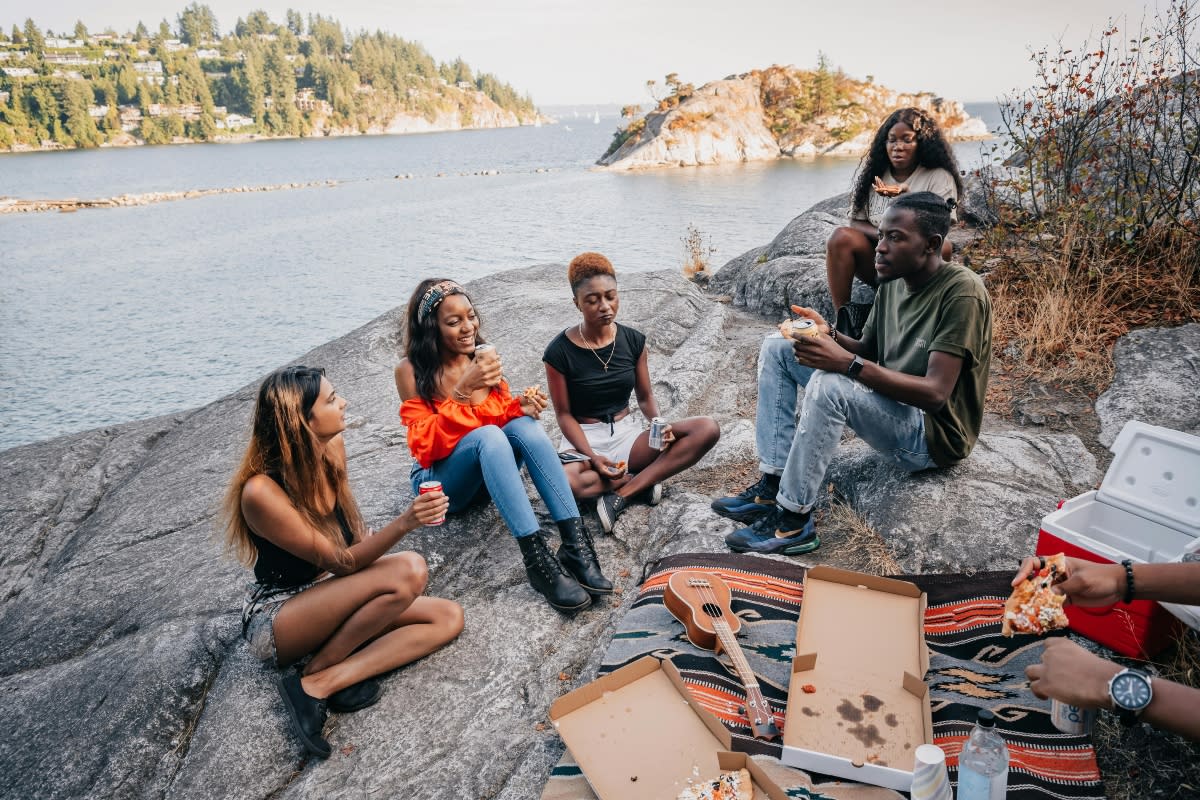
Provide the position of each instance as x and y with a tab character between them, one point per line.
909	154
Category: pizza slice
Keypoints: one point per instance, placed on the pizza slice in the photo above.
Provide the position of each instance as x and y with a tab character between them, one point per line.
1034	606
735	785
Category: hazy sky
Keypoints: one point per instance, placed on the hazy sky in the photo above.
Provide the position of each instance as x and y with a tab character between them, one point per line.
564	51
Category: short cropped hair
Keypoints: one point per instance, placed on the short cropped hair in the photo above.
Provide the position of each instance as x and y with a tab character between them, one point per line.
931	210
588	265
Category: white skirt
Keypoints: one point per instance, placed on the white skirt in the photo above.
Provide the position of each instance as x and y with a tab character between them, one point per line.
615	443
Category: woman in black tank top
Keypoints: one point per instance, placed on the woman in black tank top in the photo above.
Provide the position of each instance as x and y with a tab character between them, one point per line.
592	369
325	586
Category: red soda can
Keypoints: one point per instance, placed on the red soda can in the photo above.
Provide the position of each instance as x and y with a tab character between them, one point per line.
431	486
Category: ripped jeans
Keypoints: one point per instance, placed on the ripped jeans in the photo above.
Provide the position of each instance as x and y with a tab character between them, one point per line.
831	401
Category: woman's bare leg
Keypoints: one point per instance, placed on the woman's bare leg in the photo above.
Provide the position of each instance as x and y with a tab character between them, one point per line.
339	615
849	253
694	437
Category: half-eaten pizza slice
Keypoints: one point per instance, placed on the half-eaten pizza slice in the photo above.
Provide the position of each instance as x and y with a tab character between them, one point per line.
1034	606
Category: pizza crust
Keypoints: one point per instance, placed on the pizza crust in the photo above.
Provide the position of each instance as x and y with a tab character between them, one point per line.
735	785
1034	607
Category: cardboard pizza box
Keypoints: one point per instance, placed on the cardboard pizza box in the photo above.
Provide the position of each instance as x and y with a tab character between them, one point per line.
636	734
860	648
1147	510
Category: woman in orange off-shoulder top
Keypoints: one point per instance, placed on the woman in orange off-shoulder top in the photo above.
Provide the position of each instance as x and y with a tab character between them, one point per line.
466	430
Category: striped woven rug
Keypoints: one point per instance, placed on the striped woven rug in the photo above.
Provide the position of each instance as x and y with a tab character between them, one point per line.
972	666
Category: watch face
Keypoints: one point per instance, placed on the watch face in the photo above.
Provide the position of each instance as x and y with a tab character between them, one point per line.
1131	691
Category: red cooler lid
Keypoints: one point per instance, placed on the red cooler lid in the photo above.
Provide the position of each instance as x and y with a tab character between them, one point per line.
1155	474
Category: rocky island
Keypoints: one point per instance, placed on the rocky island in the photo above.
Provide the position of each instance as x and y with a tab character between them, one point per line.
768	114
121	666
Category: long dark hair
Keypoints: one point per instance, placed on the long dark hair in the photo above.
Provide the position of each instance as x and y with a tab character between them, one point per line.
283	445
933	151
423	340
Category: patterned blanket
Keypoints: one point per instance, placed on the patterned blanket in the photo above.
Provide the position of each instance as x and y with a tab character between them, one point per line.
971	666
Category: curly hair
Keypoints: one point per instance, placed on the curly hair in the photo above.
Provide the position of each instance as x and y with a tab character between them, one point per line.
423	340
931	210
933	151
588	265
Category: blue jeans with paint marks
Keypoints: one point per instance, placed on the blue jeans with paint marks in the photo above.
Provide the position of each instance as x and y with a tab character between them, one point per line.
801	451
493	456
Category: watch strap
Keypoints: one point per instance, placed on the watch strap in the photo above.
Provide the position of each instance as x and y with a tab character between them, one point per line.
856	365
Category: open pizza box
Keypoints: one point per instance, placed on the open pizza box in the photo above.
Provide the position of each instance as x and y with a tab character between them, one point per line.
860	650
637	734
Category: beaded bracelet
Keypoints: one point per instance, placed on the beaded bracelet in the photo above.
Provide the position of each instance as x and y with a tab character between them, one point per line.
1128	565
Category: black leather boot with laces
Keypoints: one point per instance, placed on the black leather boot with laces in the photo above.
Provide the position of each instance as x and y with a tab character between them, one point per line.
548	576
578	555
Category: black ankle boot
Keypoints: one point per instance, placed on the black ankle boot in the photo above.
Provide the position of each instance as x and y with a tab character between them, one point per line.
549	577
578	555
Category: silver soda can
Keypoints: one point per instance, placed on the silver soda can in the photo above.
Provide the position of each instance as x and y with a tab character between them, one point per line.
431	486
657	426
1072	719
484	347
804	327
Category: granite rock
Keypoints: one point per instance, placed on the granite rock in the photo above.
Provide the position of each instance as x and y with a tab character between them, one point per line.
1157	371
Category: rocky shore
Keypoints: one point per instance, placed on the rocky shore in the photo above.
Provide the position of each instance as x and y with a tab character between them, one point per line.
121	668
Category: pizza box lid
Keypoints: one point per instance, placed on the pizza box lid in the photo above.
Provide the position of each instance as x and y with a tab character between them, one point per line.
1153	475
637	734
860	643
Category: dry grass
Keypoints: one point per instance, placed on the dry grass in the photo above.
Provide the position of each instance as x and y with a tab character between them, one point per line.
1061	298
867	549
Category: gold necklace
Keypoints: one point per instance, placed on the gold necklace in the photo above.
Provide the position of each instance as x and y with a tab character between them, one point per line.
603	362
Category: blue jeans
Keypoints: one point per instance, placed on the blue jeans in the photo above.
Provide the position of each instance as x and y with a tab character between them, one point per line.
492	455
831	401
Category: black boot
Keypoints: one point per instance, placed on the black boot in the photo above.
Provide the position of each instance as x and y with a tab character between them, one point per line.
578	555
549	577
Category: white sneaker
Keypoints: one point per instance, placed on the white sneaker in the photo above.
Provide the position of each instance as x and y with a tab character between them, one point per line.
655	495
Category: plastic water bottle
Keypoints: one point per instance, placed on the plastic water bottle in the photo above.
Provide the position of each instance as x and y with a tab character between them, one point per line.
983	763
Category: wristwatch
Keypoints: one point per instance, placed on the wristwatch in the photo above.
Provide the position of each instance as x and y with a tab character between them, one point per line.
1130	692
855	367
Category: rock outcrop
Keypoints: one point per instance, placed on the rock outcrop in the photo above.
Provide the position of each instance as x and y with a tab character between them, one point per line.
754	117
1157	372
121	667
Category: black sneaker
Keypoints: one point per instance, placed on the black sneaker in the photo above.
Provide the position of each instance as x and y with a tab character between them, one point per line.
356	697
764	535
751	503
609	506
307	713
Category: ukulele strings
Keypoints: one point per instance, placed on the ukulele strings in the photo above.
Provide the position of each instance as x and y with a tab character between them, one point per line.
708	596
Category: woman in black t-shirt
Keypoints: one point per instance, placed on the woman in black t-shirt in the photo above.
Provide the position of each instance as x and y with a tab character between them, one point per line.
326	588
591	369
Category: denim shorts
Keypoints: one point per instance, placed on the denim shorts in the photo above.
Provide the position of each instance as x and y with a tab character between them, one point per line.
259	609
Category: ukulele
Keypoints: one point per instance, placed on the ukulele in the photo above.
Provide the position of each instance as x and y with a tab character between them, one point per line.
700	600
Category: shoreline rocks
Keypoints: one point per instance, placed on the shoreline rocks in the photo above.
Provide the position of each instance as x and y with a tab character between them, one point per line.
121	664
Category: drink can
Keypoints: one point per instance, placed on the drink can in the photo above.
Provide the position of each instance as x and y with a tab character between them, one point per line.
431	486
804	327
484	347
1072	719
657	426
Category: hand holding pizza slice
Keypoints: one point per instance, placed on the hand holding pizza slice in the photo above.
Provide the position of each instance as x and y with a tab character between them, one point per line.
1034	606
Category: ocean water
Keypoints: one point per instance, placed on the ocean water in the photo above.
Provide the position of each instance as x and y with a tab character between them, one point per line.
110	315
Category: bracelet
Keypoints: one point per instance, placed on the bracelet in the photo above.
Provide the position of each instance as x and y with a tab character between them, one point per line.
1128	565
461	396
833	334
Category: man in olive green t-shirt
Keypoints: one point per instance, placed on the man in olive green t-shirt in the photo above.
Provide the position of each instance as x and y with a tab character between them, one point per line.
913	387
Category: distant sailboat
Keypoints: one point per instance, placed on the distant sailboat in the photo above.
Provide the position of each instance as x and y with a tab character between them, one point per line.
596	118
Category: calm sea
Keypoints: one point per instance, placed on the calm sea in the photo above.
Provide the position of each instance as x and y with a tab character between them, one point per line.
111	315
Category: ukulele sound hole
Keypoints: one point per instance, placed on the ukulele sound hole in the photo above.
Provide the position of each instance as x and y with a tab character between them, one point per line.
712	609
